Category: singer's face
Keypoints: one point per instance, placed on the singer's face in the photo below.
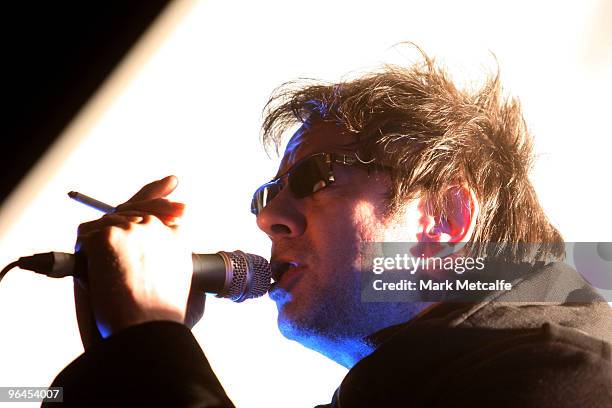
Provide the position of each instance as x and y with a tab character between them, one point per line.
315	245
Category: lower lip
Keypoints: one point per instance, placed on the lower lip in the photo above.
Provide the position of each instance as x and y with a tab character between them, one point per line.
290	277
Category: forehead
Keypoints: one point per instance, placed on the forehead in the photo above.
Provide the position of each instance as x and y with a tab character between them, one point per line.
315	138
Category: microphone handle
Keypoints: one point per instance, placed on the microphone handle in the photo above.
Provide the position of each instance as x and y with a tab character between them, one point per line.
209	270
209	273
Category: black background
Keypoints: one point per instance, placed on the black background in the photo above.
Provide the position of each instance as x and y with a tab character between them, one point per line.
58	54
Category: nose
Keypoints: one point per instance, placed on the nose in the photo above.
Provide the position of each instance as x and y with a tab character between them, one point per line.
282	217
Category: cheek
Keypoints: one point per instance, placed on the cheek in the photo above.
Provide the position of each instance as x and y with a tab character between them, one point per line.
356	222
340	222
368	223
337	236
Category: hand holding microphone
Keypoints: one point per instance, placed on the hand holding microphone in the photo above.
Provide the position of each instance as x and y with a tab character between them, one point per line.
234	275
139	270
138	267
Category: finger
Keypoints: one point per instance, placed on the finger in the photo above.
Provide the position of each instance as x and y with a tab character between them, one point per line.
85	317
195	308
156	189
94	228
108	220
132	213
157	206
142	217
170	220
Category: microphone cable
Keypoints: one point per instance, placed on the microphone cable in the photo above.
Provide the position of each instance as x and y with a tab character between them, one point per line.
8	268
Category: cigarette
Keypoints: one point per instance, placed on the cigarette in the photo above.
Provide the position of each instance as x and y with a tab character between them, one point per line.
91	202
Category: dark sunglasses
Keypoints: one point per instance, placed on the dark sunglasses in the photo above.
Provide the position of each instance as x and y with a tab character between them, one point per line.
306	177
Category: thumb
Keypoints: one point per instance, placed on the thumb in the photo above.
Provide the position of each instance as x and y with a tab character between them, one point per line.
156	189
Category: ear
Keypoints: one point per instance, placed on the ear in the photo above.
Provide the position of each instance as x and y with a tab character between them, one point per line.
458	221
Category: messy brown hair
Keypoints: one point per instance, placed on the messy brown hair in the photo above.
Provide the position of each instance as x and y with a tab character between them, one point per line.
433	135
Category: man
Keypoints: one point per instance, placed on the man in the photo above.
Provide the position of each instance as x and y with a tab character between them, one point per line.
399	155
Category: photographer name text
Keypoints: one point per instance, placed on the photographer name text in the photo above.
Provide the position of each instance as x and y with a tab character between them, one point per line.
447	285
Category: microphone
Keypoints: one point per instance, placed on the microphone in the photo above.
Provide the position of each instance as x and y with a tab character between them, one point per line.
234	275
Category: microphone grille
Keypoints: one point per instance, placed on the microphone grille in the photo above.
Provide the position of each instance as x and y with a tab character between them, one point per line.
250	276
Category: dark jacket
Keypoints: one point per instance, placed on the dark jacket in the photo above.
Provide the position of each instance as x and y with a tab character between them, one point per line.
492	353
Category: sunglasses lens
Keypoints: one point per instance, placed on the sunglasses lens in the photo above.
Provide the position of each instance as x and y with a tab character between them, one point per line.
306	178
309	177
264	195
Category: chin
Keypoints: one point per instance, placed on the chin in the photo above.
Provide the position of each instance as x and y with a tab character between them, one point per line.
290	323
300	332
309	336
289	305
288	329
280	296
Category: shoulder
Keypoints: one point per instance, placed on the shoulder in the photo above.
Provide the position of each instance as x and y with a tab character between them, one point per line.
554	366
549	366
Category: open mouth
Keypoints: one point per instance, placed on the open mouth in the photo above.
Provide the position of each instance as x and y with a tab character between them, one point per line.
280	268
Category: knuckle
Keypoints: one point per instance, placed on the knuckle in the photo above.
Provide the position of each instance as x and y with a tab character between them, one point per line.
78	244
122	207
147	219
84	227
109	234
126	213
